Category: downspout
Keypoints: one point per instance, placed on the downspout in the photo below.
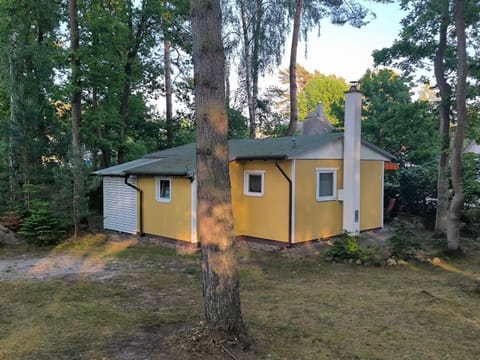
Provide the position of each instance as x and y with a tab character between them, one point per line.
290	205
140	192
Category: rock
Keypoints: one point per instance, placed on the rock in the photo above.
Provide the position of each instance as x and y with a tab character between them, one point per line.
402	262
436	261
391	262
7	237
358	262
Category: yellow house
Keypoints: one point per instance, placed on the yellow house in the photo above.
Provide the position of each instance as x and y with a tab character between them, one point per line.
288	189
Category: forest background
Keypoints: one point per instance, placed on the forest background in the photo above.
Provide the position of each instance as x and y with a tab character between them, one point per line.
125	55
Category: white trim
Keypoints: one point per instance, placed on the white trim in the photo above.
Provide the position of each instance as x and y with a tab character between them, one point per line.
383	195
193	215
158	179
293	201
333	171
246	182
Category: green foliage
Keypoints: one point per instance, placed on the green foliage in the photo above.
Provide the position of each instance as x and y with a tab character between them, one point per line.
326	89
42	227
418	189
344	247
403	244
471	222
471	179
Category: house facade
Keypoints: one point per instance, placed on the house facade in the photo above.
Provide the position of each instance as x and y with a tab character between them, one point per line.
288	189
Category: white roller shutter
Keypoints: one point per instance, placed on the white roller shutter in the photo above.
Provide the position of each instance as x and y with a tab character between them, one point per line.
119	205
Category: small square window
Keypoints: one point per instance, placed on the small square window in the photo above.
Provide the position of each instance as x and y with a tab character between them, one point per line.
326	184
254	183
163	191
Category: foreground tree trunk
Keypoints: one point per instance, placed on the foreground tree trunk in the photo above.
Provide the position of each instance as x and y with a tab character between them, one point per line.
214	214
441	217
78	181
292	126
456	206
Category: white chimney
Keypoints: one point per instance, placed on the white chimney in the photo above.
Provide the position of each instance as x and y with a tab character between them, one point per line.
351	160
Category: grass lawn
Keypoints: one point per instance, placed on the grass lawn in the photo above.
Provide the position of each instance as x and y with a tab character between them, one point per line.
140	301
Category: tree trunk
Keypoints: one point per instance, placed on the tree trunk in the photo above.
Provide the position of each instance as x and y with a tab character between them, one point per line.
248	69
256	62
456	206
293	70
168	92
215	219
77	192
441	218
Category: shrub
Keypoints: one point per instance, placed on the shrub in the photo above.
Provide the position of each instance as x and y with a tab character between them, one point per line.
42	227
11	221
345	247
403	243
471	222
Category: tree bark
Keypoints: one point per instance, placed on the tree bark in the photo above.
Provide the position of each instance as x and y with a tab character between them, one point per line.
256	63
441	218
168	91
456	206
292	126
214	213
77	182
248	68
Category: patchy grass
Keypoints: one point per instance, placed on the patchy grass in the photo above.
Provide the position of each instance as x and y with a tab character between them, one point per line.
296	306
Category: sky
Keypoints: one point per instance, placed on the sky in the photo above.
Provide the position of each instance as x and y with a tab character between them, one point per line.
346	51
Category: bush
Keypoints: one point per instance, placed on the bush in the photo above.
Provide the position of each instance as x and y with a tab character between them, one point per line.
471	222
42	227
403	243
345	247
11	221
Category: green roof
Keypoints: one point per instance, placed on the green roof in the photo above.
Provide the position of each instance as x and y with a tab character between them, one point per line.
180	160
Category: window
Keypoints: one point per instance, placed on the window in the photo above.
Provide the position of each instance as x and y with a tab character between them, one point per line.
326	184
253	184
163	189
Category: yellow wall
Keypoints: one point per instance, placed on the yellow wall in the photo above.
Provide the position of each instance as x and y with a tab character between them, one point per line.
266	217
316	219
173	219
263	217
371	194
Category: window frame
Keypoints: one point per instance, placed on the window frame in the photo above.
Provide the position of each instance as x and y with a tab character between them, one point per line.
246	182
158	181
332	171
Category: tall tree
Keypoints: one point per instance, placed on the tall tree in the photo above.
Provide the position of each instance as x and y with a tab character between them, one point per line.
307	15
423	42
456	205
292	126
29	49
78	192
215	219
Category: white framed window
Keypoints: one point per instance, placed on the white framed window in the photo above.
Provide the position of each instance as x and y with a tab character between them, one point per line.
254	182
326	184
163	189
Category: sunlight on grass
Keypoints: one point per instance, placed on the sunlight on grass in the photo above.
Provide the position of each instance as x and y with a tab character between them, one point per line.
448	267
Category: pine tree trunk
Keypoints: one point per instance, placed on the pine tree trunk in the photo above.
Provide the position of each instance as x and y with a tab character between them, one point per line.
248	68
292	126
77	182
441	218
456	206
215	219
168	92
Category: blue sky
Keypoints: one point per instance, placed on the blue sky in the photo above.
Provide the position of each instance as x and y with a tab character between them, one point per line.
346	51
